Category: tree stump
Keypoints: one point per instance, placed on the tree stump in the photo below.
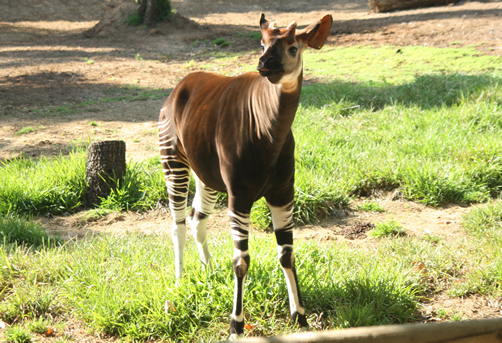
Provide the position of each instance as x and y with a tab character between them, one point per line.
106	164
392	5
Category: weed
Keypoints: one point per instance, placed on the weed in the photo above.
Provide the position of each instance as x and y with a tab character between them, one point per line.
25	130
17	334
93	123
432	239
39	325
370	207
387	229
31	301
189	64
485	221
254	35
457	316
221	42
16	230
134	19
442	313
46	185
138	57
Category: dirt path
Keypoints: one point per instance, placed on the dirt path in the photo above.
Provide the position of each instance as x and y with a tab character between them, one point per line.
48	67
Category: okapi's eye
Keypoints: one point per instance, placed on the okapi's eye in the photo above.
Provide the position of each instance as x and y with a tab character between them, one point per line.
293	50
262	49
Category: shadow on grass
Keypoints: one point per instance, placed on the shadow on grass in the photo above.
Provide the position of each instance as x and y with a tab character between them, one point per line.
425	91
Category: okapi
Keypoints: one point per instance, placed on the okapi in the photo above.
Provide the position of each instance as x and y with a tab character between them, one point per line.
234	133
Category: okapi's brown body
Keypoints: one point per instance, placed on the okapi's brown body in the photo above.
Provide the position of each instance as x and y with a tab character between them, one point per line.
235	143
234	133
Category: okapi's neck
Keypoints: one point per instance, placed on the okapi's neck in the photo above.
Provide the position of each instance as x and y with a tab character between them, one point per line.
282	102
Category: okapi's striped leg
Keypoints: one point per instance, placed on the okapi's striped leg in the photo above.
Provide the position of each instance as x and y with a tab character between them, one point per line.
202	207
282	220
177	173
239	225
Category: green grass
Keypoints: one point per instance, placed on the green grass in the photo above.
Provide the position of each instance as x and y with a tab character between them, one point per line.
25	130
385	65
21	231
388	228
485	220
120	285
127	93
42	186
370	207
430	129
17	334
426	122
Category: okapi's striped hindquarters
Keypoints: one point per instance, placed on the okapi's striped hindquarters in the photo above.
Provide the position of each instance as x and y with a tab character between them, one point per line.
234	133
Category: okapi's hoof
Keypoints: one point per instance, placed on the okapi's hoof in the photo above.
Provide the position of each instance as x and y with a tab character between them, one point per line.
233	337
236	328
301	320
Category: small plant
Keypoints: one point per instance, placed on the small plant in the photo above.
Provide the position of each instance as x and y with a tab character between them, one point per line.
221	42
17	334
370	207
39	325
41	127
431	238
138	57
92	215
25	130
93	123
442	313
87	60
458	316
388	228
189	64
20	231
485	220
134	19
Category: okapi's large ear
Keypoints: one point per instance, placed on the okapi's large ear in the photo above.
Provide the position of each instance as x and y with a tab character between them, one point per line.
315	34
263	22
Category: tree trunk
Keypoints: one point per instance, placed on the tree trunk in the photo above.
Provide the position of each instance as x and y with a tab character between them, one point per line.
392	5
154	11
106	164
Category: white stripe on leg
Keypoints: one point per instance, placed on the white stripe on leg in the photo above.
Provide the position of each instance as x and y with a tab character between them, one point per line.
202	207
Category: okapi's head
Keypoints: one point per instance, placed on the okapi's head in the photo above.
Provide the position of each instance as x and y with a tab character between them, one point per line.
282	49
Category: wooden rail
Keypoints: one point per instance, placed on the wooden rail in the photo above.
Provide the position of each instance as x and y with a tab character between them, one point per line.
472	331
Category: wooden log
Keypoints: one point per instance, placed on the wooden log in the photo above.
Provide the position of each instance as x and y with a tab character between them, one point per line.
472	331
393	5
106	164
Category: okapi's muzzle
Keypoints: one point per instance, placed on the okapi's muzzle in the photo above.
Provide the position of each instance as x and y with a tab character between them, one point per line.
268	66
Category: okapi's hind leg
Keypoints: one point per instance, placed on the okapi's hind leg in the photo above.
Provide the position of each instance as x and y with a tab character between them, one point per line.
176	170
282	220
202	207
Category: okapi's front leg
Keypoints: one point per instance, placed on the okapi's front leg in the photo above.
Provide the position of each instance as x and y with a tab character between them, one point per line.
239	225
282	220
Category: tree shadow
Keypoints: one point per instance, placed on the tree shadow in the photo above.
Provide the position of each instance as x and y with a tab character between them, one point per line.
425	91
373	24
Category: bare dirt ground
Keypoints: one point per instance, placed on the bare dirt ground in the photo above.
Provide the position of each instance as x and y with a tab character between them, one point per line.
48	66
